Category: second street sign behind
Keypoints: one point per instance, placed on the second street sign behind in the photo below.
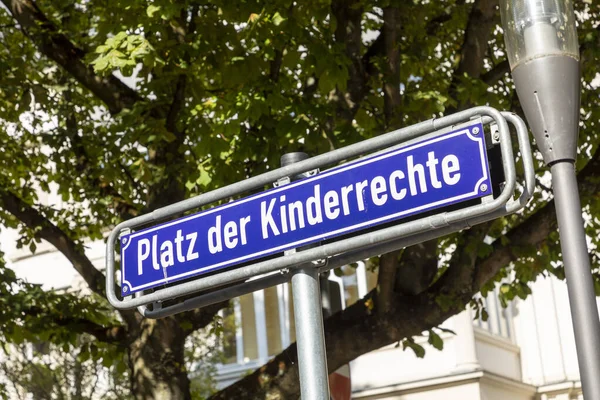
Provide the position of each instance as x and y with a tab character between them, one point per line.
433	173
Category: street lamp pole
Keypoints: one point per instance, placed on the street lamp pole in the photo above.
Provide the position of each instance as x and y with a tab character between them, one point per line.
542	49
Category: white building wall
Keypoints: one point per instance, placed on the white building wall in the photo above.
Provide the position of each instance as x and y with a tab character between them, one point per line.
448	391
544	332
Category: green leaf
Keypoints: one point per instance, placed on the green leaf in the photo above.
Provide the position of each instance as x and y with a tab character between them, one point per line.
484	315
446	330
102	48
100	64
152	9
416	348
277	19
435	340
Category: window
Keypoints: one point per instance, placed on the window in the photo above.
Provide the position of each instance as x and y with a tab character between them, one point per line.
500	320
229	334
260	325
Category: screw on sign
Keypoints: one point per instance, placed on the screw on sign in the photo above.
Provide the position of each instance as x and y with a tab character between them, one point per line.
340	387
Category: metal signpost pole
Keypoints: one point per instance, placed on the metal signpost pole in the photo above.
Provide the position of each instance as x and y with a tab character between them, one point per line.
541	39
310	341
308	317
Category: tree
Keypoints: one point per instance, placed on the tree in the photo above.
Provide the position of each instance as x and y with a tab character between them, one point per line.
48	372
217	92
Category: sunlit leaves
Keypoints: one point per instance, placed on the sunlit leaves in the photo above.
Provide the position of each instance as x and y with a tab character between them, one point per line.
122	52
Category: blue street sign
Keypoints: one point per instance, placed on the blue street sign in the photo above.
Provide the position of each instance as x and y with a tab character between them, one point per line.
433	173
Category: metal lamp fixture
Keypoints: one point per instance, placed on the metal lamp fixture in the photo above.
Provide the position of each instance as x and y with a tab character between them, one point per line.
542	49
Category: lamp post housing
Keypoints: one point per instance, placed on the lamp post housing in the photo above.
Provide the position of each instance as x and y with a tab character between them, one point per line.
543	53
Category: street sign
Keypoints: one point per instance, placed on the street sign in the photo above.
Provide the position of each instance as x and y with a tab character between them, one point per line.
436	172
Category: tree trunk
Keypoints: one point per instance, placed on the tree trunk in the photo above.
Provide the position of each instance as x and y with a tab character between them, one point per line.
157	361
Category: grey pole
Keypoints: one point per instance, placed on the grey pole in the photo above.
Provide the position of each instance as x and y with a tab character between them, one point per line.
310	340
582	297
308	316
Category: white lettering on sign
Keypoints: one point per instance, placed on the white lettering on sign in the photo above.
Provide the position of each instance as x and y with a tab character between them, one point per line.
331	202
178	241
451	165
313	207
378	190
143	253
229	234
166	254
214	237
183	251
266	219
191	254
345	193
431	163
296	211
360	187
416	172
418	179
397	175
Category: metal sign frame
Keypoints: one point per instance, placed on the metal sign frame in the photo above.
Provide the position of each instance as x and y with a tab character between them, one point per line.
338	253
275	278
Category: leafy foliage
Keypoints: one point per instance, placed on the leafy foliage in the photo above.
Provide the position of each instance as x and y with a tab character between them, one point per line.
46	371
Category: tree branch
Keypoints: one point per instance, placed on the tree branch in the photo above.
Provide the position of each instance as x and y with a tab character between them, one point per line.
375	49
45	229
434	24
391	87
56	46
85	168
111	334
106	334
348	15
495	74
388	264
201	317
482	20
176	105
275	65
417	268
536	229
